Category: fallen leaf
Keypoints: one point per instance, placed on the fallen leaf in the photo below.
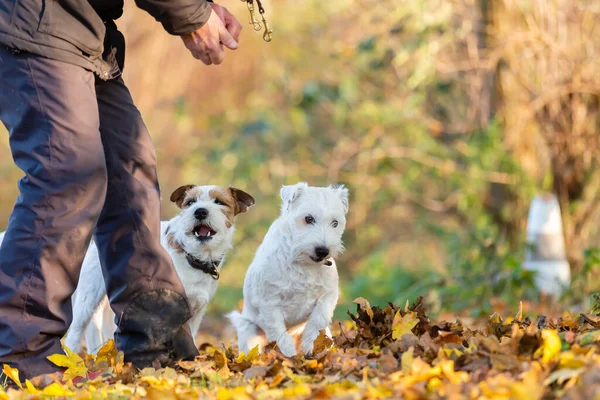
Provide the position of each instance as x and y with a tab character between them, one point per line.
57	390
250	357
364	306
72	361
403	325
30	388
551	346
322	342
108	352
13	374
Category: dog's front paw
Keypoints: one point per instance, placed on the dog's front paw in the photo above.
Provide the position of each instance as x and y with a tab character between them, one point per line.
308	340
286	345
307	346
312	341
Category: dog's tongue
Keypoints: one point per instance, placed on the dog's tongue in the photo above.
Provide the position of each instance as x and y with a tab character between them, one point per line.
204	231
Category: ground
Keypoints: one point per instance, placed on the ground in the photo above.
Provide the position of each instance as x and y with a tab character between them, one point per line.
391	352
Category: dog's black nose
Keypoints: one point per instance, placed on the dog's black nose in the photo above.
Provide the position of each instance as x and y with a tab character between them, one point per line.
201	213
321	252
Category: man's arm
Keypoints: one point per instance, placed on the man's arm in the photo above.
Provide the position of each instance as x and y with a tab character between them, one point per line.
178	17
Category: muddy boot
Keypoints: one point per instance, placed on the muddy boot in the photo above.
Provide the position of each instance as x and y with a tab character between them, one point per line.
152	329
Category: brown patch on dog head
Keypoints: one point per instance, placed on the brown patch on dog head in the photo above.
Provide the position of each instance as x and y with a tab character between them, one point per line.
173	243
229	205
243	201
234	201
193	193
178	196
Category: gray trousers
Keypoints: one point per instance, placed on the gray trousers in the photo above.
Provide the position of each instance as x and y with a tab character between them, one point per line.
89	169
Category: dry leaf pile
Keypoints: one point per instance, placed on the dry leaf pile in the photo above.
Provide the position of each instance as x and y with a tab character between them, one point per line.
394	352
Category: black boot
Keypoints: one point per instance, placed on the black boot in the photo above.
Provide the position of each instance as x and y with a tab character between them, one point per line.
153	328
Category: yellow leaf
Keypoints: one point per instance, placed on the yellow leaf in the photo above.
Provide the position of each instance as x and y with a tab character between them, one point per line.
233	394
570	360
72	361
301	389
250	357
30	388
107	352
550	349
13	374
407	360
531	386
455	377
434	384
56	389
403	325
365	306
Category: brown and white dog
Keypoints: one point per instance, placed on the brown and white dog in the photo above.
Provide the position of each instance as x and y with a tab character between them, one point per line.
197	239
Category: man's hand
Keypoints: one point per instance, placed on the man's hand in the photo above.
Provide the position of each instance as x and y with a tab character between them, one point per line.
232	25
208	43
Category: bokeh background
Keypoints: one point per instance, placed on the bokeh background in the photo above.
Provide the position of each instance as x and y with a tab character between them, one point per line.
443	117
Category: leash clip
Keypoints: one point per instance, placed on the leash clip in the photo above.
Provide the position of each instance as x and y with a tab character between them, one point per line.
268	33
253	21
215	274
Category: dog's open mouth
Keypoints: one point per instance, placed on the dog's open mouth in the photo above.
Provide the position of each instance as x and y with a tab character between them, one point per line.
203	232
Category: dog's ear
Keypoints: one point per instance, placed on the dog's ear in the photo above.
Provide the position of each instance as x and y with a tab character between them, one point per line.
179	194
243	201
342	191
292	192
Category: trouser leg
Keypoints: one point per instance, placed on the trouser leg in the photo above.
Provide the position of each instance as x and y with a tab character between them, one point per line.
51	112
143	287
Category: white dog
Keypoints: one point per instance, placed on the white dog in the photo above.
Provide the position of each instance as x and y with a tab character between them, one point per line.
291	287
197	240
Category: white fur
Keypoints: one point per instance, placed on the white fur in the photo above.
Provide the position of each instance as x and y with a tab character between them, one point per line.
287	294
90	303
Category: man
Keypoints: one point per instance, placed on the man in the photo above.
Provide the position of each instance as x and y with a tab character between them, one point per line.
90	169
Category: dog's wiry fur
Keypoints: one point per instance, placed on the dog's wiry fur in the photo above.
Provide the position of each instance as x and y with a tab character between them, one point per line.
178	235
290	291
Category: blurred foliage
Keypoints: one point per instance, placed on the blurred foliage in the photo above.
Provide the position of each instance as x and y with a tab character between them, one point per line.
586	282
419	107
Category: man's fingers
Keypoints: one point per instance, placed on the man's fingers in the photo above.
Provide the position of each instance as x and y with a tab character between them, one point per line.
217	57
234	28
205	58
202	56
232	24
216	52
226	38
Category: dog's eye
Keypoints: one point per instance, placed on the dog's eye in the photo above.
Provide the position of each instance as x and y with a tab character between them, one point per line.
190	202
334	223
219	202
309	219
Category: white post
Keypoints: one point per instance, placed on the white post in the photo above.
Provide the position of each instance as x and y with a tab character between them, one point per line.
546	254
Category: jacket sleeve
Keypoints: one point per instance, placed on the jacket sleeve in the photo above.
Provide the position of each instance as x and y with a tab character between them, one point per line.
178	17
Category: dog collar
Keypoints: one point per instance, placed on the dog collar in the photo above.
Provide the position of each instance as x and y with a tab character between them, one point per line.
211	267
